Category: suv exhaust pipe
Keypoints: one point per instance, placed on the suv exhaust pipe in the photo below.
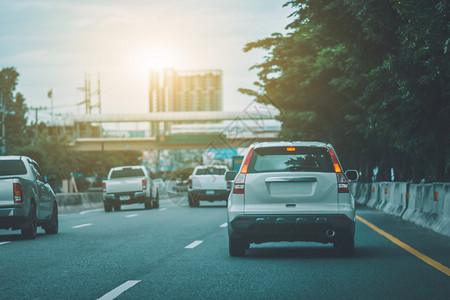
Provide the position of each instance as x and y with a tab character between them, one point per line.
330	233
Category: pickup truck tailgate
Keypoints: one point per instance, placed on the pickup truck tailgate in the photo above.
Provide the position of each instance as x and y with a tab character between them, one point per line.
209	182
123	185
6	192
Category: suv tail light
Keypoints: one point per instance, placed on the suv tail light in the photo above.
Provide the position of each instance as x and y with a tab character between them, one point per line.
17	190
144	184
239	182
104	186
341	179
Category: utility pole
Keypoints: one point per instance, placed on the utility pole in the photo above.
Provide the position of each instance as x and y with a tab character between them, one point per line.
3	129
99	104
87	94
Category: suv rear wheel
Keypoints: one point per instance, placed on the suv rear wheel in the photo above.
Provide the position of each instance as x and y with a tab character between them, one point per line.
237	246
345	246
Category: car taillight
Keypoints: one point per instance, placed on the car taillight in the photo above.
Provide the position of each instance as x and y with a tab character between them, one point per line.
144	184
341	179
190	183
229	183
239	182
17	190
104	187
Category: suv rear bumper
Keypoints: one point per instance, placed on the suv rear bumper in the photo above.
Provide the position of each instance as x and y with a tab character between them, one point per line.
276	228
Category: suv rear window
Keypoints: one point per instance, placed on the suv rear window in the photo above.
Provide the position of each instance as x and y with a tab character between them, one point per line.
210	171
12	167
127	172
290	159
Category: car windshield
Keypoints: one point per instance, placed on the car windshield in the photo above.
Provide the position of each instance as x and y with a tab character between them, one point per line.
127	172
210	171
12	167
290	159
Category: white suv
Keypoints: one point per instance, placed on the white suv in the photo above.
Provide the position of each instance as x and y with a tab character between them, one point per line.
291	191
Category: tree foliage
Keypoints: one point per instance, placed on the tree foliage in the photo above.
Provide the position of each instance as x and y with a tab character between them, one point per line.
370	77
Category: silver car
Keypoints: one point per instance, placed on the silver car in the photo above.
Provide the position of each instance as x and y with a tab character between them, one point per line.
26	199
291	191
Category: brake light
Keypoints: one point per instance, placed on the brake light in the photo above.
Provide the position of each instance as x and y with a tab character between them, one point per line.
239	182
17	191
341	179
228	185
144	184
104	186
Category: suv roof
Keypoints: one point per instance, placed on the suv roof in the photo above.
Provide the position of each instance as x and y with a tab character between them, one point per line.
291	143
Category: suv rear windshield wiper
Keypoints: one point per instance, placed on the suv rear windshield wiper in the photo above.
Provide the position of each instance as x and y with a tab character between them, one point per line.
300	168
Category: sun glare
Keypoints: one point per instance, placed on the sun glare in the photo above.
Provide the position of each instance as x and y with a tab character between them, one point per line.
155	58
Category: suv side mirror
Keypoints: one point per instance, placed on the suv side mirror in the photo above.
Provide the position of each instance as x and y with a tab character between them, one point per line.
352	175
230	175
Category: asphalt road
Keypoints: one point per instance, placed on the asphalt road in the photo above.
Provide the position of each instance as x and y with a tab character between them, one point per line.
178	252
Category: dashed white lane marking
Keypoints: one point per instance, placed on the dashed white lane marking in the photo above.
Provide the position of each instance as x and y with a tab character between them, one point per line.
193	244
131	216
4	243
164	208
91	210
82	225
119	290
224	225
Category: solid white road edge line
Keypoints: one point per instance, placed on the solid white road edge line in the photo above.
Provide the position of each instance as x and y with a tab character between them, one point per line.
224	225
82	225
131	216
119	290
193	244
4	243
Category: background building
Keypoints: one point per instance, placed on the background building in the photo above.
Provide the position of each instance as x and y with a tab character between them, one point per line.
189	90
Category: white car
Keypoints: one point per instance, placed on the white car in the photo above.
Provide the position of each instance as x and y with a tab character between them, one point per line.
129	185
291	191
207	183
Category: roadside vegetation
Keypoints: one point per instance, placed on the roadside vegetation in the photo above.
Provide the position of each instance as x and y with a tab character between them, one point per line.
370	77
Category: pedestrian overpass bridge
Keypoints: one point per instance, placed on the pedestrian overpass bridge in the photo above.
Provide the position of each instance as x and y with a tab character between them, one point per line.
242	129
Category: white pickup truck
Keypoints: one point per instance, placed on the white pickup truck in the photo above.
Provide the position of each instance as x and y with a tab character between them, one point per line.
128	185
208	183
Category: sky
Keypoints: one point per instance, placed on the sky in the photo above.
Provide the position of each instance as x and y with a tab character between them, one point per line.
54	43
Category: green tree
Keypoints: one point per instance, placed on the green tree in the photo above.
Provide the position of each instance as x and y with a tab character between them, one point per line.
368	76
13	111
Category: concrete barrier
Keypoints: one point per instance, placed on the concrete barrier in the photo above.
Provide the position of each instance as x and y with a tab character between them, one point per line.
74	201
441	196
429	206
375	196
384	188
395	198
363	193
426	212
